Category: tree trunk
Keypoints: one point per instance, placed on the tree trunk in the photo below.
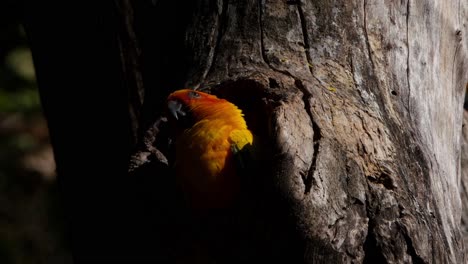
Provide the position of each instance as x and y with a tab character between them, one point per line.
357	107
464	177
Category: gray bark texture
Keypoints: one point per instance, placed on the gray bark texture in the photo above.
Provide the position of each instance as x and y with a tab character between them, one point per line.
358	105
464	177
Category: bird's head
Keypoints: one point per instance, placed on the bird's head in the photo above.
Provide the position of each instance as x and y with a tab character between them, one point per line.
188	106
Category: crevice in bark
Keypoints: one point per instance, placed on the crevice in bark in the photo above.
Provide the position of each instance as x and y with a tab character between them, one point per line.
292	2
308	179
353	73
305	34
459	39
265	58
222	21
306	95
366	36
372	253
214	40
408	58
384	179
372	250
262	43
273	83
411	251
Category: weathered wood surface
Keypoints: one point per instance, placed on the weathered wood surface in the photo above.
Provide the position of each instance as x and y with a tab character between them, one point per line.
464	178
361	101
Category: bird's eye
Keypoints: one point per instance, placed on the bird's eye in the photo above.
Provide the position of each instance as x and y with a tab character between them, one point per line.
194	95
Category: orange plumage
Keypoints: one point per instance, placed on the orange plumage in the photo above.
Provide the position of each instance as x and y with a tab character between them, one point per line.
211	131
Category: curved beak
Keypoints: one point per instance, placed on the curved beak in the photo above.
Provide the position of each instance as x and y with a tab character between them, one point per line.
175	108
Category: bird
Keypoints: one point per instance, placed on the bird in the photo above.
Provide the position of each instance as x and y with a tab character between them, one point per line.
213	147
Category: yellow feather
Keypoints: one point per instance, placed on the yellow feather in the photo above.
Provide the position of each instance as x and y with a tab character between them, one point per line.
204	158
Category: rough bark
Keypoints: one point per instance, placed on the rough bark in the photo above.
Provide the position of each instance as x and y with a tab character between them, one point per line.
362	102
357	106
464	178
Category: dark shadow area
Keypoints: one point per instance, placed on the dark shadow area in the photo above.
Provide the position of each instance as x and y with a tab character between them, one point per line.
76	55
159	27
32	226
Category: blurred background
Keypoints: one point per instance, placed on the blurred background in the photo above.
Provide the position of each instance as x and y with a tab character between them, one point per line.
31	222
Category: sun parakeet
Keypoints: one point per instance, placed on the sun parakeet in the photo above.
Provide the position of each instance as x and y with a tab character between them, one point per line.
211	136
